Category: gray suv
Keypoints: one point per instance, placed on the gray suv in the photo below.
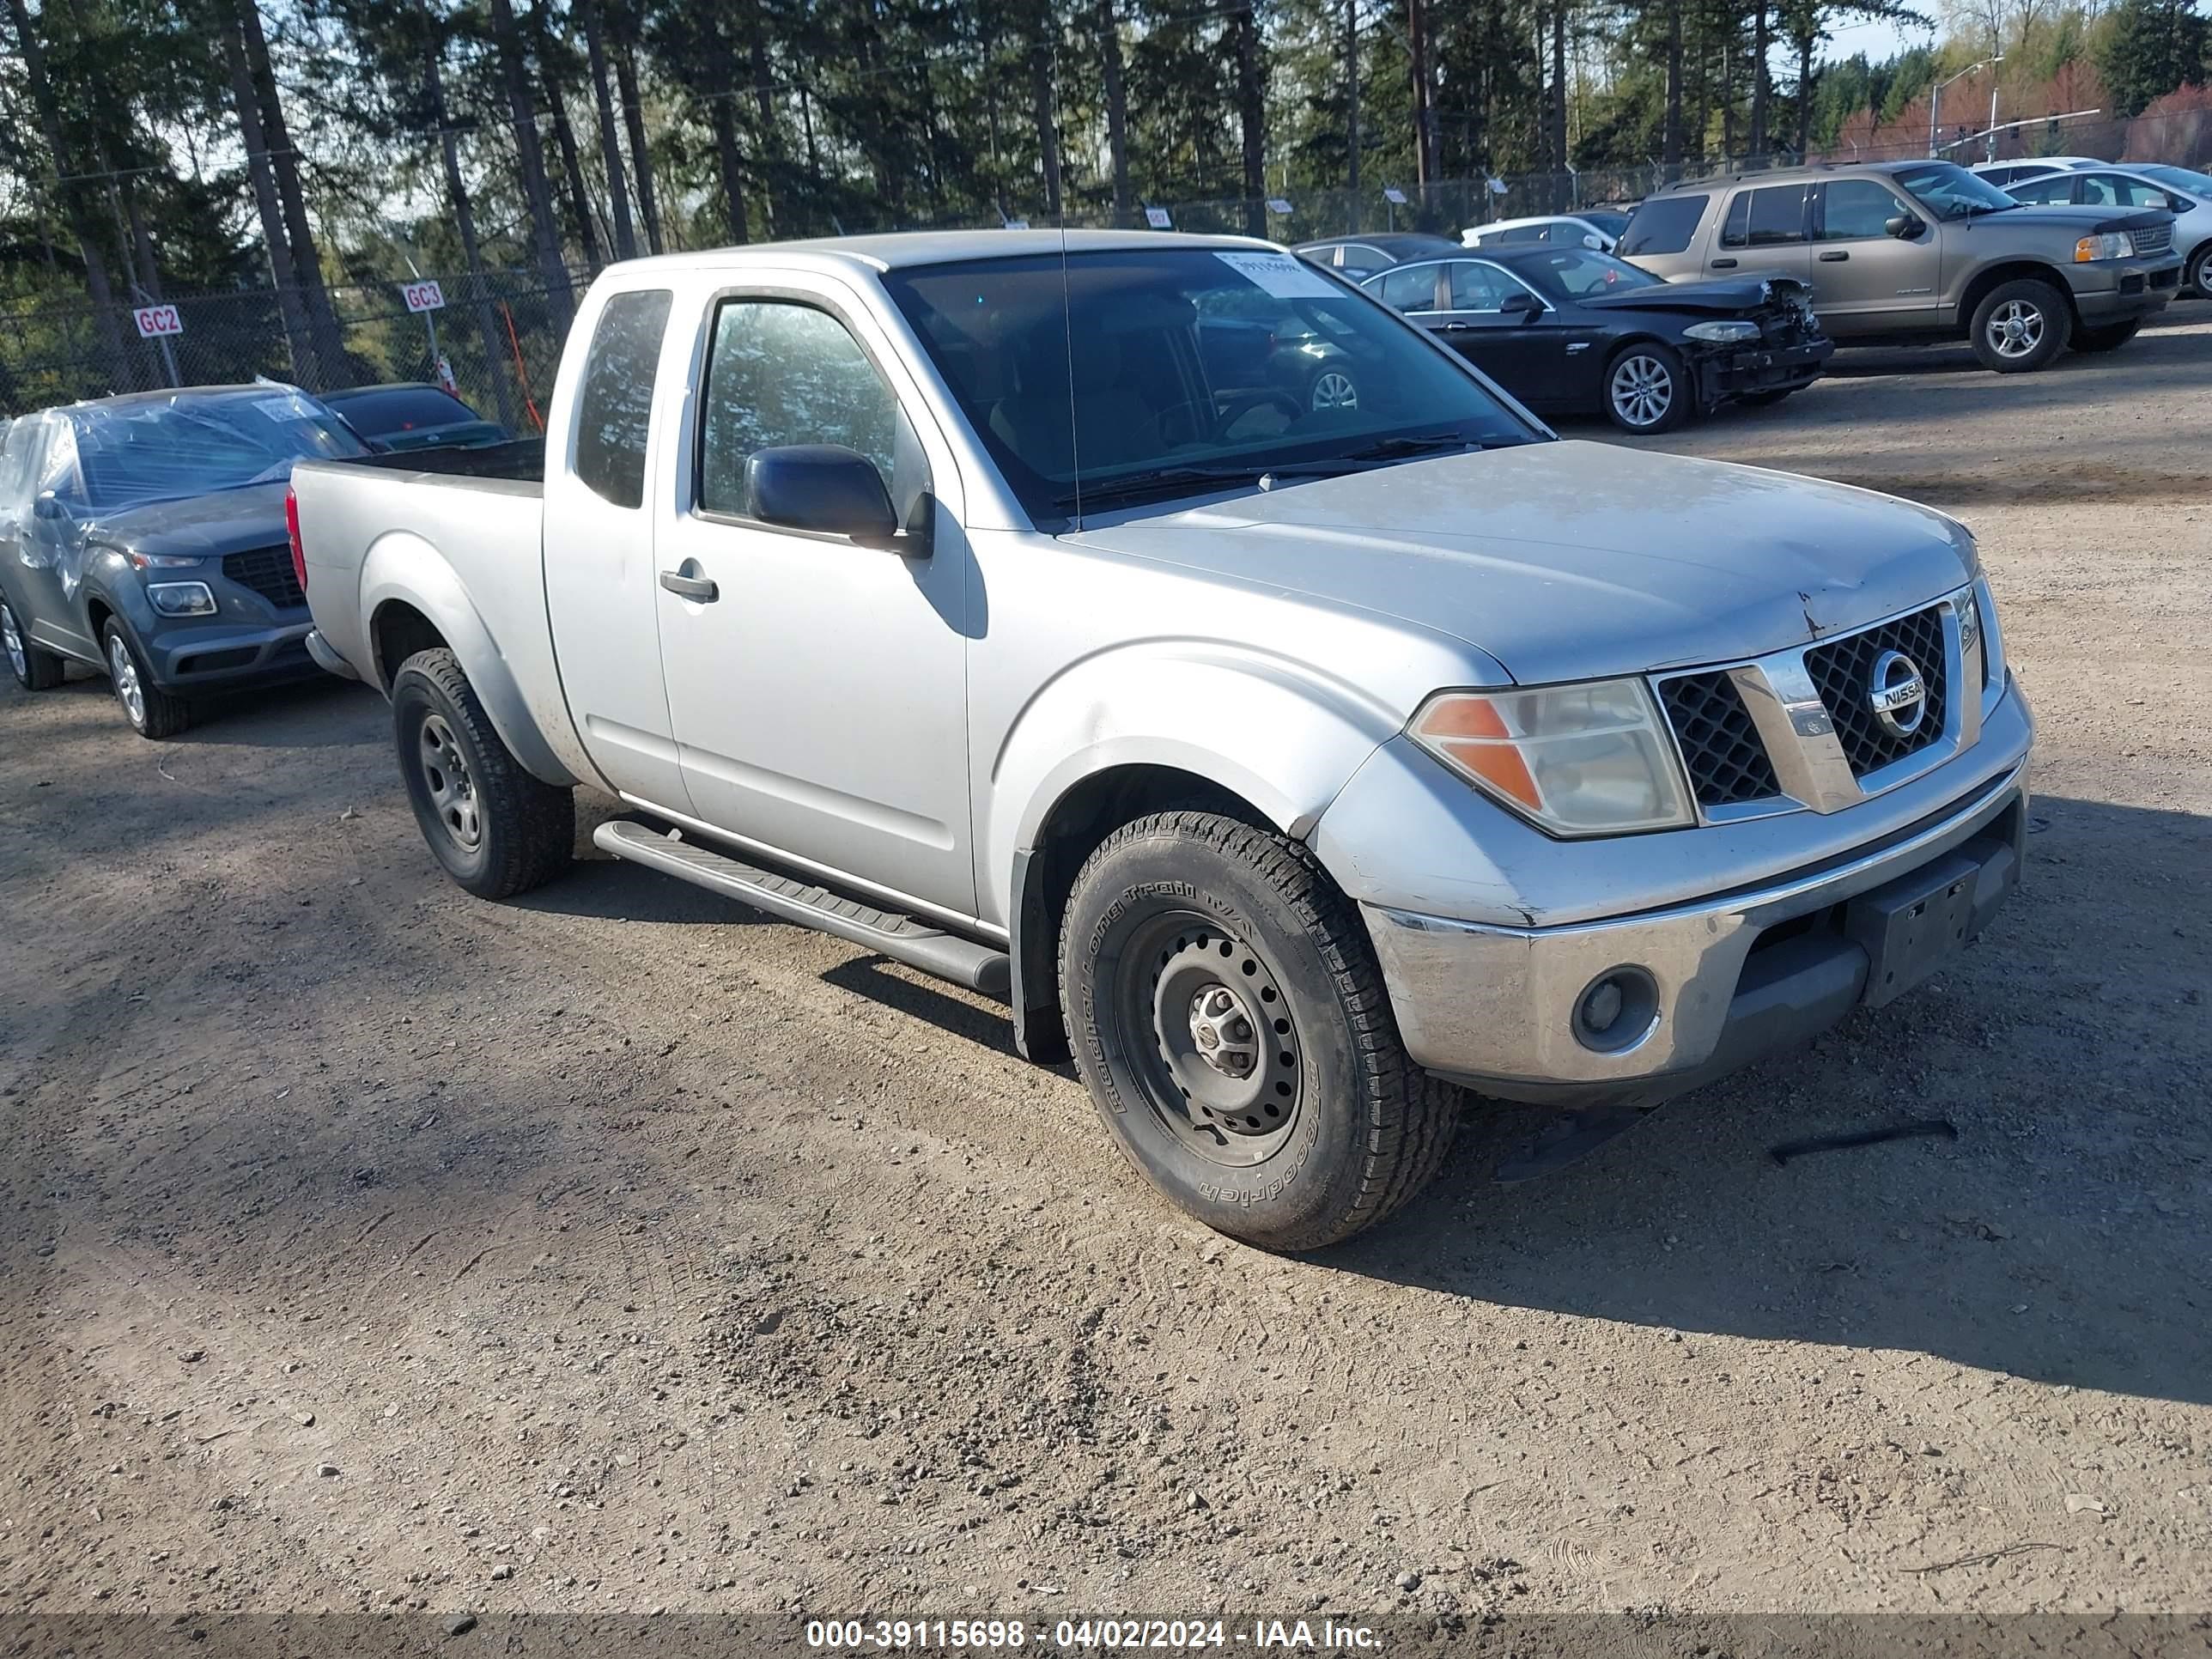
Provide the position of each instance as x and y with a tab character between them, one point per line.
1898	250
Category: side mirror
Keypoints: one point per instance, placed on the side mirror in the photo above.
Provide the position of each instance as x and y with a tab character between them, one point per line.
823	488
48	506
1519	303
1593	241
1903	226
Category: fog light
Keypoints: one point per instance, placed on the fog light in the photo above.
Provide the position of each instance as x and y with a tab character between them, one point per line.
181	598
1617	1009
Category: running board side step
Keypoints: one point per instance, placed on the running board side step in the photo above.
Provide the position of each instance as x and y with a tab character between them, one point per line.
902	939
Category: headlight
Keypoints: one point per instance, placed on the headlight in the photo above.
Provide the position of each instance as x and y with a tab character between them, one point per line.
1575	760
1730	333
181	598
2106	244
162	561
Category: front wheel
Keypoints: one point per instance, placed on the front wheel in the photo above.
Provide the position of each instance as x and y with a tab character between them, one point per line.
497	830
1231	1024
2200	272
2110	337
1647	390
152	712
34	670
2021	325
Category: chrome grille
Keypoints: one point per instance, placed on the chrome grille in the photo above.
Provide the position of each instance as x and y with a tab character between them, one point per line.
1721	750
1842	671
268	571
2152	238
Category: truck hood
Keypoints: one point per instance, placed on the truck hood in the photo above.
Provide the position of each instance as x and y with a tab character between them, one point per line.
198	526
2077	219
1573	559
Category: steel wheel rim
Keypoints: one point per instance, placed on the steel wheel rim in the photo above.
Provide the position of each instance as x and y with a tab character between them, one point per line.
1335	390
2015	328
450	785
1179	975
124	672
17	660
1642	390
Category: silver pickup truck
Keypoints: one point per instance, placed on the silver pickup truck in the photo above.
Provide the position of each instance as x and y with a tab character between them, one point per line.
1159	634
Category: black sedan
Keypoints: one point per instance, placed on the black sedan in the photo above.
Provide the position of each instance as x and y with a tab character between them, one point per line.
413	414
1570	331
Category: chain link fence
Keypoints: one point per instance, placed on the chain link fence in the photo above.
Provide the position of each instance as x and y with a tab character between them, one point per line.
500	333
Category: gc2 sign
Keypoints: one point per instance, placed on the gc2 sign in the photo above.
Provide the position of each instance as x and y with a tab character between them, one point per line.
422	296
154	321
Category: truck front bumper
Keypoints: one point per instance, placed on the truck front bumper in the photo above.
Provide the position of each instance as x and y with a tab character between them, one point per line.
1703	986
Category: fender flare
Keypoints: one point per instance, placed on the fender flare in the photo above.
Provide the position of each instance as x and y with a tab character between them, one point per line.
403	567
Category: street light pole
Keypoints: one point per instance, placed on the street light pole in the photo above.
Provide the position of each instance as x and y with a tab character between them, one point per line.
1935	96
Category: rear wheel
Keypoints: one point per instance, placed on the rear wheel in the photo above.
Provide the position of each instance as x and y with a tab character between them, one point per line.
34	670
1646	389
152	712
2107	338
2021	325
1231	1024
497	830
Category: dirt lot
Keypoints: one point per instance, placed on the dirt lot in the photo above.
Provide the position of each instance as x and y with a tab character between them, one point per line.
363	1245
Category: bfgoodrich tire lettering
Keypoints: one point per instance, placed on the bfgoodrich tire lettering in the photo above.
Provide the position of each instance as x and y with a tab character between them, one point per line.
1362	1129
497	830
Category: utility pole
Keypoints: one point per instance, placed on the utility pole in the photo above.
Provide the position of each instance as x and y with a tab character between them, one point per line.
1351	106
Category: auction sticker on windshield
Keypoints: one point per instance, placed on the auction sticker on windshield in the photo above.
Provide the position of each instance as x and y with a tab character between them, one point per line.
1280	274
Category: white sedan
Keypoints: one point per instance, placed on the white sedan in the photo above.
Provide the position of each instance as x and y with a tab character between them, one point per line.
1592	227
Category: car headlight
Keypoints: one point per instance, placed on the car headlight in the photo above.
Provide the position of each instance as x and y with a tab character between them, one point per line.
2105	245
1728	334
1592	759
162	561
181	598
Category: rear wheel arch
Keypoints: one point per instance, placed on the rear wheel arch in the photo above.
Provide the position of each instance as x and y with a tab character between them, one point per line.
396	632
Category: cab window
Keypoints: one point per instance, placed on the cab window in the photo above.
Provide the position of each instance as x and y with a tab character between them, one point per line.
783	372
614	409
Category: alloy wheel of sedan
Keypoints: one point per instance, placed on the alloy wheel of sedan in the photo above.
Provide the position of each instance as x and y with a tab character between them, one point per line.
2015	328
14	640
1334	389
1642	391
124	672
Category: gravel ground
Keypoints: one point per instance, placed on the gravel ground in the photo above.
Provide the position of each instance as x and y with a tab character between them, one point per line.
366	1246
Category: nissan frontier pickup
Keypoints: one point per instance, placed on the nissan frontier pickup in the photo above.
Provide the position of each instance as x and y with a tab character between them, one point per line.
1012	606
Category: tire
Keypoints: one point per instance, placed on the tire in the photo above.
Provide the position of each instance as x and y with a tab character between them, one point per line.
1332	1128
36	670
1647	390
2021	325
152	712
2111	337
2200	272
497	830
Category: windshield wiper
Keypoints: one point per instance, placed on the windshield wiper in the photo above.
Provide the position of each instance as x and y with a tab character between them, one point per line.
1172	478
1419	443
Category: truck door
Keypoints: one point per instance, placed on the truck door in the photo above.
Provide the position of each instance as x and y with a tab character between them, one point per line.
599	567
1863	276
818	687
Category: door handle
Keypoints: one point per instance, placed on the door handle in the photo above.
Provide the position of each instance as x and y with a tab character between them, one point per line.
699	590
1723	264
1835	258
1459	328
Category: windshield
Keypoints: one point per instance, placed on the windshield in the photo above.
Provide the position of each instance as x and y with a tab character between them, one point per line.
1148	373
400	409
1574	273
127	455
2186	178
1611	223
1949	191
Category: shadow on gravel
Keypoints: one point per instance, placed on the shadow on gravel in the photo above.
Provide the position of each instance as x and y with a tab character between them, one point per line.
2066	1237
300	715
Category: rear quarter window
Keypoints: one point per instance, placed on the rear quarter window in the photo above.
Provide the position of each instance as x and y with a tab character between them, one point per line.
614	408
1664	224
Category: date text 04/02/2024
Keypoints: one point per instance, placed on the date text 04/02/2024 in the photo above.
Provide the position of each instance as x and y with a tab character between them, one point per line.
892	1635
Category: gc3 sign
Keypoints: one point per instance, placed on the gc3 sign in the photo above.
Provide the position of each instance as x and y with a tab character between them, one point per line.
156	321
422	296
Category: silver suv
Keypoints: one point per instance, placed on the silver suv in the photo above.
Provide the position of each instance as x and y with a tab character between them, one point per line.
1915	250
